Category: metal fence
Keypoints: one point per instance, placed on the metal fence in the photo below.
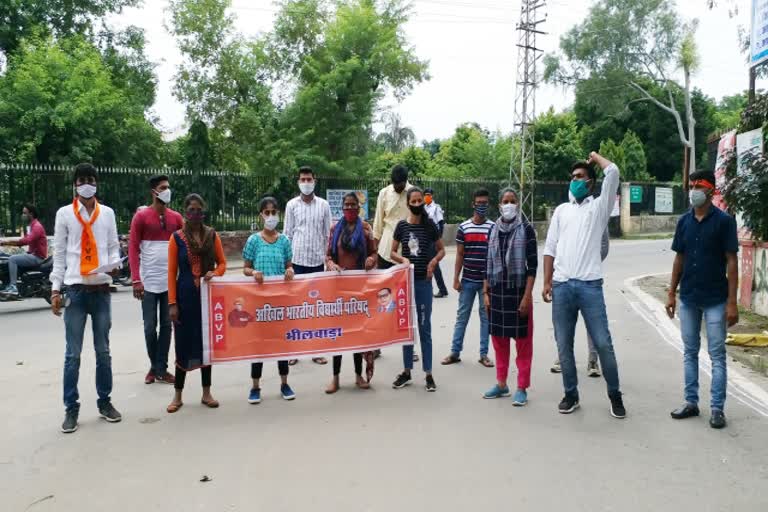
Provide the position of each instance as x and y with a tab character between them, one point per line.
232	197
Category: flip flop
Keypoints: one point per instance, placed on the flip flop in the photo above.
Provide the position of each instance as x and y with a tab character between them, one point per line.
293	362
451	359
172	408
213	404
486	362
319	360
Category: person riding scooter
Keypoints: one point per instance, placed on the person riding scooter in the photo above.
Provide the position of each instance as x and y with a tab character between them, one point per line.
37	251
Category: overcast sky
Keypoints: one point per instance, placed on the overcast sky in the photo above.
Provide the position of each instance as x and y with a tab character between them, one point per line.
470	46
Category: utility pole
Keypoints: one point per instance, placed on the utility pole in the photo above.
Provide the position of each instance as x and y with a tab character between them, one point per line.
528	55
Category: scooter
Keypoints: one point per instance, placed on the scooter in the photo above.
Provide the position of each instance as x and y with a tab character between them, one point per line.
32	282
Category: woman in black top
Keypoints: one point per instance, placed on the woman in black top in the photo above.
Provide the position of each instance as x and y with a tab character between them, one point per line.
420	240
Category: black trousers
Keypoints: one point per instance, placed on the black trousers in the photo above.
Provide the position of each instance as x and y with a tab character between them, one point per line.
256	369
181	377
358	358
439	280
384	264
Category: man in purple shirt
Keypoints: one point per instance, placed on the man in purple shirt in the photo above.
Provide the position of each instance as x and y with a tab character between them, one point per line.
37	251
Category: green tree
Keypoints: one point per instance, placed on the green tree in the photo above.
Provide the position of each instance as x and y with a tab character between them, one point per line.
396	137
342	77
628	155
473	152
417	160
635	164
59	104
729	109
224	81
632	42
557	145
21	19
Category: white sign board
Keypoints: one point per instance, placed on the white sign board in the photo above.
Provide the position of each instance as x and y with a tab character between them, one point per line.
335	198
664	200
758	40
748	143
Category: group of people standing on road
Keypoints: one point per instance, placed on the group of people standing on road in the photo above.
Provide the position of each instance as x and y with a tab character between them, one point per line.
497	262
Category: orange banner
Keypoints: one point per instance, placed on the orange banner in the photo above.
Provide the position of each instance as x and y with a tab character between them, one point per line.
314	315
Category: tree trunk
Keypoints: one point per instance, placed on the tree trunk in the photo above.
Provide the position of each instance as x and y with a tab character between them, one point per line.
691	123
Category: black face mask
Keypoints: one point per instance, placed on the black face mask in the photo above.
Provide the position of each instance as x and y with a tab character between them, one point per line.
416	210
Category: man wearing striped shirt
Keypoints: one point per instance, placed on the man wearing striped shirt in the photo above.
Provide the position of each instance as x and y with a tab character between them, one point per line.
307	224
471	260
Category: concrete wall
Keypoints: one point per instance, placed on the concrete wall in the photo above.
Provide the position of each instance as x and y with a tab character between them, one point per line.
640	224
649	224
753	276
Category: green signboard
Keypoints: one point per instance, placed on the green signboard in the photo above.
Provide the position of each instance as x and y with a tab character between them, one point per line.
635	194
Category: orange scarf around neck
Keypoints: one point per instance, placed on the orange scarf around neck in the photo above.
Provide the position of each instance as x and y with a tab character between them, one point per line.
89	252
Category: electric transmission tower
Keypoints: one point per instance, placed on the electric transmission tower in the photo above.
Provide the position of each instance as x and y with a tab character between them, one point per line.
528	55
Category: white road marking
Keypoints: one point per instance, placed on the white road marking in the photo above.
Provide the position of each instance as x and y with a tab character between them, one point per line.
653	312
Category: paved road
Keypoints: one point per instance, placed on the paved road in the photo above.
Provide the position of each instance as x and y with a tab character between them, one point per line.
380	450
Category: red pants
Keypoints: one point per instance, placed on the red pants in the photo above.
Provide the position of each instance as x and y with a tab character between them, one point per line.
523	360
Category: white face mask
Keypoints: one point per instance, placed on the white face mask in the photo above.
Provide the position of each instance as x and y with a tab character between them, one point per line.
307	188
86	191
164	196
508	211
271	222
697	197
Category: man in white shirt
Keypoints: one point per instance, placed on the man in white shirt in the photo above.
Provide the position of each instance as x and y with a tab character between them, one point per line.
307	225
436	215
85	249
391	208
573	277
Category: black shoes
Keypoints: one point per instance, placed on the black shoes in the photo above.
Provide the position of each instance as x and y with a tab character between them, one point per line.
440	295
617	406
686	411
568	404
70	422
106	411
402	380
718	419
109	413
431	386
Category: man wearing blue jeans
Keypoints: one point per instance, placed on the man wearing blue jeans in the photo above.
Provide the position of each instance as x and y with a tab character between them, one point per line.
85	245
573	277
706	269
469	274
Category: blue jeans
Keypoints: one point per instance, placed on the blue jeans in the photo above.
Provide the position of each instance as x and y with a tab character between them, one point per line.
568	298
98	306
690	323
18	261
423	295
470	289
158	344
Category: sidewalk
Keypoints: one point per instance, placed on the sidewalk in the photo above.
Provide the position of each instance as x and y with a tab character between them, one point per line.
754	358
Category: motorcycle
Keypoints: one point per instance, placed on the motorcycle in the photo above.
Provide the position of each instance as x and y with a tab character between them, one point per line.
123	276
32	282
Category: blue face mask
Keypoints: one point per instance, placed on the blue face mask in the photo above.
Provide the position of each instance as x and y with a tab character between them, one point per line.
481	209
579	189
